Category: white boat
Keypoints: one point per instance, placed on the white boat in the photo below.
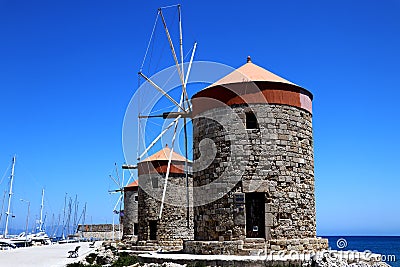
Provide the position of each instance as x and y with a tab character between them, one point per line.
6	244
68	240
8	241
21	240
40	238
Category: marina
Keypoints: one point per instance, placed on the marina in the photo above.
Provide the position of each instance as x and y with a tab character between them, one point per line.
68	231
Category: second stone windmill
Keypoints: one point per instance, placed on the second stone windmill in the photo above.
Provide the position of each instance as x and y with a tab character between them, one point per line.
165	218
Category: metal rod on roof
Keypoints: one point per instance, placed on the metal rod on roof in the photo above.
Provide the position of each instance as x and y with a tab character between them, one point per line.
161	91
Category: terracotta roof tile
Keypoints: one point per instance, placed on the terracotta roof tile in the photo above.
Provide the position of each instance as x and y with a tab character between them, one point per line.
250	72
133	184
163	154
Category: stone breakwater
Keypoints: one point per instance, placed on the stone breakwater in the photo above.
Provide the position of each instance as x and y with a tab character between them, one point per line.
320	259
109	253
347	259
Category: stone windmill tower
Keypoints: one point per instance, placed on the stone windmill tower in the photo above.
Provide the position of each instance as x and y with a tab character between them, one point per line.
130	218
253	169
166	229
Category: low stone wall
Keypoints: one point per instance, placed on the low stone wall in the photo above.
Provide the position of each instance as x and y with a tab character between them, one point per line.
213	247
100	231
304	244
103	235
173	245
246	247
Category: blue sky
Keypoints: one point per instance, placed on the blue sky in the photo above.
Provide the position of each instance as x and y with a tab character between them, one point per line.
69	68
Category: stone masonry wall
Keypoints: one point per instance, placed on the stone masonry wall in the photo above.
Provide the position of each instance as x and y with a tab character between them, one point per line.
130	217
272	247
276	159
100	231
173	226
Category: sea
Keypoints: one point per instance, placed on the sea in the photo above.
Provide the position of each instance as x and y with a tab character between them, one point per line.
387	246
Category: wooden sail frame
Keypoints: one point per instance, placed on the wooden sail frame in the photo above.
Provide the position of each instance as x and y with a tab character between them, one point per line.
183	106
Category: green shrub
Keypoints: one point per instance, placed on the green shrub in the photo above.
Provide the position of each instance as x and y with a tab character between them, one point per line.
125	259
102	260
197	264
91	258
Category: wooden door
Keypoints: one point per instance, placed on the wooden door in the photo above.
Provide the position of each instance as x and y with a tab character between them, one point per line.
153	229
255	215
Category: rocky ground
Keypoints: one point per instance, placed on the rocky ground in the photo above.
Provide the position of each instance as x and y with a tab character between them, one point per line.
112	254
347	259
109	254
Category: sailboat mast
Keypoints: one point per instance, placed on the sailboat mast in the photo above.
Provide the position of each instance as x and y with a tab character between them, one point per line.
58	224
52	225
69	215
2	205
9	196
63	223
41	213
83	221
74	224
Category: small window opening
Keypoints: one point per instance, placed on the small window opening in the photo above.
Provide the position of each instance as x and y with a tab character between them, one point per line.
251	121
136	198
135	229
154	182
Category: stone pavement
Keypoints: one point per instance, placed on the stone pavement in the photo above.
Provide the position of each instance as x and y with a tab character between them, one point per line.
44	256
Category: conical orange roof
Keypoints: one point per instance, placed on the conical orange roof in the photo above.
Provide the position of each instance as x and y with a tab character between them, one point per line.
133	184
164	154
250	72
251	84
